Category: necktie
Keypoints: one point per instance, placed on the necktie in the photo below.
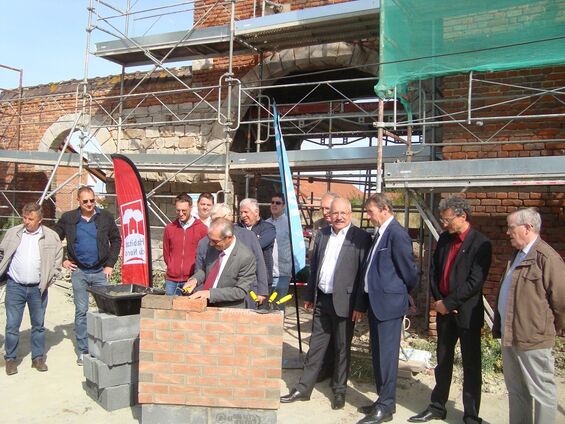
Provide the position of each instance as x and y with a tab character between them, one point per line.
214	271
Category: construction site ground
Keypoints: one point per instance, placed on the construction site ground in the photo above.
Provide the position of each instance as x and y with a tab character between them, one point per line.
57	396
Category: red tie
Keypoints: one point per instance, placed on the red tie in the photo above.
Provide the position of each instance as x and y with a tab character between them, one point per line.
214	271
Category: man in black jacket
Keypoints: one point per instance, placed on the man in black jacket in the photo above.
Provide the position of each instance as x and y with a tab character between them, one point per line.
93	246
460	266
335	278
265	232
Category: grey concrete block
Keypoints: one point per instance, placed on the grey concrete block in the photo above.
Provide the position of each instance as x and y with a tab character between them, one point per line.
111	398
236	415
115	352
107	327
166	414
106	376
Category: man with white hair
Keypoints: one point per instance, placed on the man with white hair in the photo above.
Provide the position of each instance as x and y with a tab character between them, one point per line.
530	308
247	238
265	232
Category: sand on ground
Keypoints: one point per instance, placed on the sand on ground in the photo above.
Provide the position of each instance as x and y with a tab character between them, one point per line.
57	396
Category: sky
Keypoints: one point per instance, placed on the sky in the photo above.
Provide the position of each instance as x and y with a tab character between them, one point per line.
47	38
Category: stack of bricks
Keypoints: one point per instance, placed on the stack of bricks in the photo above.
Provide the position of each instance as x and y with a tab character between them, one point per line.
111	368
202	364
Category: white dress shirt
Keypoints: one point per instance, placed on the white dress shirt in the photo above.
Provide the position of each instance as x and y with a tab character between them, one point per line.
327	269
25	266
381	230
227	254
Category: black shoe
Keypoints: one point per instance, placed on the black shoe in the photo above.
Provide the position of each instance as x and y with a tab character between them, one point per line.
369	409
339	401
293	396
376	417
427	415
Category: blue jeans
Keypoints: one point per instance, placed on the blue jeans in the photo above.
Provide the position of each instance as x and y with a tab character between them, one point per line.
81	280
17	296
173	288
280	285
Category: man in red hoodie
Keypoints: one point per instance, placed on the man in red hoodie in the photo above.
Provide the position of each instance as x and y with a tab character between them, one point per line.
180	242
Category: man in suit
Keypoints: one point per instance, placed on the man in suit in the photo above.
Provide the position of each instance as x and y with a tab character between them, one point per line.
460	266
226	279
249	240
530	310
335	278
389	275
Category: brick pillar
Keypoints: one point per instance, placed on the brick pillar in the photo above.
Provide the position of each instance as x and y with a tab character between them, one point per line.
204	363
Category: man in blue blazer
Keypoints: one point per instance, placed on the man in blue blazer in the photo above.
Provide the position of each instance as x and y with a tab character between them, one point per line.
389	274
335	279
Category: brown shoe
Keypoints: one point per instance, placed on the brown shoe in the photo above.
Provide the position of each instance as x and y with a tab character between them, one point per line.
11	367
39	364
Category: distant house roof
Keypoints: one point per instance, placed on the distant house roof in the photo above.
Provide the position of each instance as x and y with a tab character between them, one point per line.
316	190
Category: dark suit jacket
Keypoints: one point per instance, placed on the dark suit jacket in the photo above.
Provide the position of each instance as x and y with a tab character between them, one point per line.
392	275
235	280
266	233
466	278
250	241
347	276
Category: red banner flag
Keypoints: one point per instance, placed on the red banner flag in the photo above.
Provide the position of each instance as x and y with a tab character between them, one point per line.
132	206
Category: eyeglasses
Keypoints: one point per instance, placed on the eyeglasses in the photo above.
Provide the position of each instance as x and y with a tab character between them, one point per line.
276	202
215	242
448	220
86	201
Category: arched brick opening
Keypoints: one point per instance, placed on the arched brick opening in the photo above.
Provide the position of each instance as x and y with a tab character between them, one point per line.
53	139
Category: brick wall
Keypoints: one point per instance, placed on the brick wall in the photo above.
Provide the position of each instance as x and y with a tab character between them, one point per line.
194	355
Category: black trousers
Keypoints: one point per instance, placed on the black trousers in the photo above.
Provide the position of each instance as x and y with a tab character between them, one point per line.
327	325
448	333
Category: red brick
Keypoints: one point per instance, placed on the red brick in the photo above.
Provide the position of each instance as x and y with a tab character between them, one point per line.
193	305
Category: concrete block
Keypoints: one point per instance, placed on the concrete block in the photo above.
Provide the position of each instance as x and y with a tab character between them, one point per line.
165	414
107	327
236	415
115	352
106	376
112	398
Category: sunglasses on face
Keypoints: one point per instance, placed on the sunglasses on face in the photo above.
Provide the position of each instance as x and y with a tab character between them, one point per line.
87	201
276	202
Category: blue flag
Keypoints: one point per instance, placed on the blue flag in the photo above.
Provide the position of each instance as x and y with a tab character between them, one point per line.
296	236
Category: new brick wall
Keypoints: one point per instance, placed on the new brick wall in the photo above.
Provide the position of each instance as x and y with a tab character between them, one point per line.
195	355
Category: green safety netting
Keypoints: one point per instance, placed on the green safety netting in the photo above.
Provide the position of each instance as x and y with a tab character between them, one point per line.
421	39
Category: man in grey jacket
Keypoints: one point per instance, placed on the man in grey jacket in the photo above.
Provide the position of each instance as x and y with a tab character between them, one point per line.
225	280
31	254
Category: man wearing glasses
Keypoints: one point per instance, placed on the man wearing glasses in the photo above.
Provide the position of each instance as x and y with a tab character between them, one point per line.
282	258
460	267
226	278
93	246
530	308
